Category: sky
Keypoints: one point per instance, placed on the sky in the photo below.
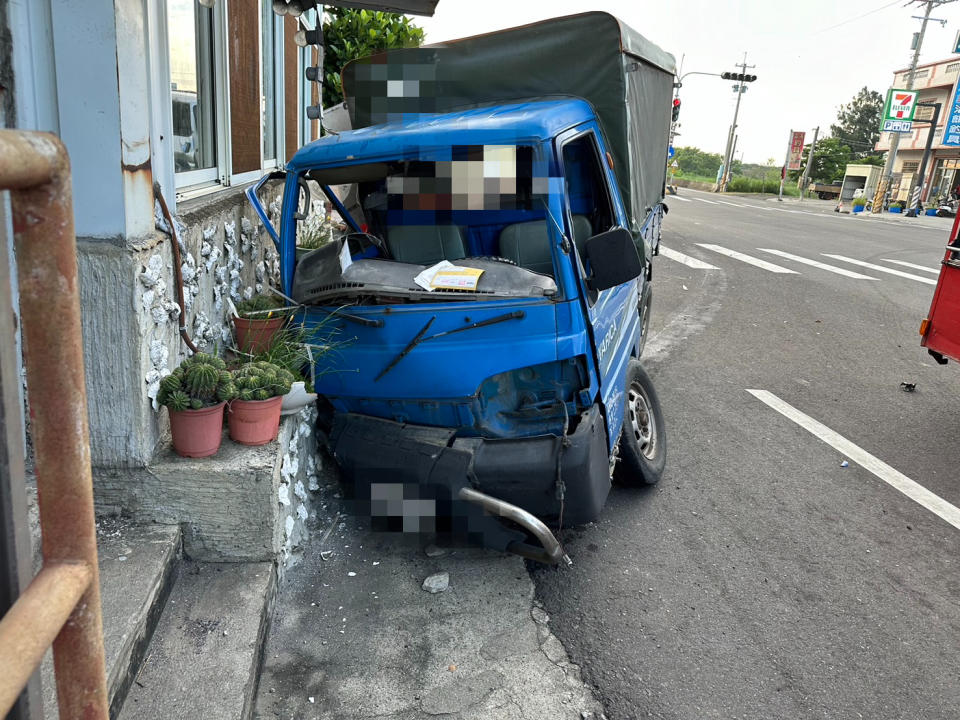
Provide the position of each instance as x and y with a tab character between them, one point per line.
811	57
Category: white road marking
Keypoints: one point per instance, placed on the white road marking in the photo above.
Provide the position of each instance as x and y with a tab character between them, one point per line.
712	202
686	259
677	197
818	264
881	268
749	259
731	204
896	479
935	271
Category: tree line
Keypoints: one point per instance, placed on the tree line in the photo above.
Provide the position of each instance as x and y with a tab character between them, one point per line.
850	139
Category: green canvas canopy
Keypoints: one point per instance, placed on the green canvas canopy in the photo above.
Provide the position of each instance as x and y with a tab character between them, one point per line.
625	77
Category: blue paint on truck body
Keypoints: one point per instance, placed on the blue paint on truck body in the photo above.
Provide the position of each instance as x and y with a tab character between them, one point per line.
486	368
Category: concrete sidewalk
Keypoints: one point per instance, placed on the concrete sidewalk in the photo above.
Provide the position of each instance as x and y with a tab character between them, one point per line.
355	636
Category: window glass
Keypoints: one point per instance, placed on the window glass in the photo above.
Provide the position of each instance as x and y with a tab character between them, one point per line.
268	104
190	27
590	208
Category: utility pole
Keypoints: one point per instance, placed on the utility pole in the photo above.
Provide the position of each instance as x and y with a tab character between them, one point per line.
806	169
915	201
727	156
883	187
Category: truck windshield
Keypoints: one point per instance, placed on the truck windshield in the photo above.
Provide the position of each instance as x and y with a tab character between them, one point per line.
477	207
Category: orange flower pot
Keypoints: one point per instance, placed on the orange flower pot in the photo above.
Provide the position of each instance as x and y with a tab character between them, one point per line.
254	422
197	433
255	335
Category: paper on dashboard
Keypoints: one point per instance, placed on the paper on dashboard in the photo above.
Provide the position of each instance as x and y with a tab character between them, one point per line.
447	276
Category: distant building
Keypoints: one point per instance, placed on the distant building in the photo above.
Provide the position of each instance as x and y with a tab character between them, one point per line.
936	82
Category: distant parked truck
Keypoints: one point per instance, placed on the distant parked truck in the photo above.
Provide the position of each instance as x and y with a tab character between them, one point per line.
826	191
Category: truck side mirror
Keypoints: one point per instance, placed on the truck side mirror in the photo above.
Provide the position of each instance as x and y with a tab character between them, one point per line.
613	259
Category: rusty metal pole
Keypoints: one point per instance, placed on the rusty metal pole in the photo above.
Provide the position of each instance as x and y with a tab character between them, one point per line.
35	168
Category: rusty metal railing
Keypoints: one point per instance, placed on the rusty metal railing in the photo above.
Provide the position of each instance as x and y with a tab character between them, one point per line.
62	604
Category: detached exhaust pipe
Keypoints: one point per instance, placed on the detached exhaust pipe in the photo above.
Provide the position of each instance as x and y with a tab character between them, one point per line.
552	551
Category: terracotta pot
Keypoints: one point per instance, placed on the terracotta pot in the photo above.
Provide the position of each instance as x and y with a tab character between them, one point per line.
254	422
255	336
197	433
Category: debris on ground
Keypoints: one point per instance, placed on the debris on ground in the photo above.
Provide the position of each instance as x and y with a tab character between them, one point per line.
437	583
434	551
844	464
908	387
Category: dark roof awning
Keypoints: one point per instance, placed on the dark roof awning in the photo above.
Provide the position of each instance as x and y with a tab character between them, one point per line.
413	7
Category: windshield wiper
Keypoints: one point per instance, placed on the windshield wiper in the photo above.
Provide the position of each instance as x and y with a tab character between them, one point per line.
338	312
419	337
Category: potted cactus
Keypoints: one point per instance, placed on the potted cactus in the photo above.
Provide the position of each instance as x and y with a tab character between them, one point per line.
254	416
258	320
195	394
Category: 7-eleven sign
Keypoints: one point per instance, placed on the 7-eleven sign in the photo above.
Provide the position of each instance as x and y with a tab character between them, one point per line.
900	105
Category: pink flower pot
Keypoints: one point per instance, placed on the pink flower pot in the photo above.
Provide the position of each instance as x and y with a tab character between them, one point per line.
254	422
255	336
197	433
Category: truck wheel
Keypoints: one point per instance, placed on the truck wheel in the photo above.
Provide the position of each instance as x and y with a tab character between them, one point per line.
646	300
643	439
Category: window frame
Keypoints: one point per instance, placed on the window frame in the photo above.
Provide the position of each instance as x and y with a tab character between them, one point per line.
189	182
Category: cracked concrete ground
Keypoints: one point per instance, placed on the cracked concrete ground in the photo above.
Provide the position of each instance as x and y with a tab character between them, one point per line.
355	636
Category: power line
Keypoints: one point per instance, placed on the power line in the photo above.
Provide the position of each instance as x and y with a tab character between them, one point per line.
858	17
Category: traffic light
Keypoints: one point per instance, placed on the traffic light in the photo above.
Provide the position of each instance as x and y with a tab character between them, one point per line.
676	109
739	77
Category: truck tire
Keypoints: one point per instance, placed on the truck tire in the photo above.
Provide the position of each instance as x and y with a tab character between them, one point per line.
643	439
646	301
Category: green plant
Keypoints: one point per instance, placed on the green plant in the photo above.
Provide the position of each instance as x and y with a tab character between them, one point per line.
351	34
261	380
200	381
258	307
859	202
898	204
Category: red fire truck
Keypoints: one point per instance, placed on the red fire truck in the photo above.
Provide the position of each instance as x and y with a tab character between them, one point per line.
940	330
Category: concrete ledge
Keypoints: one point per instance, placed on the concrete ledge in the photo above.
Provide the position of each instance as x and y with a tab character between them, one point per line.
245	504
204	661
136	568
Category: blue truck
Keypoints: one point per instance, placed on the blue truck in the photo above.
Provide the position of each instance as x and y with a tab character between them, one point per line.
502	197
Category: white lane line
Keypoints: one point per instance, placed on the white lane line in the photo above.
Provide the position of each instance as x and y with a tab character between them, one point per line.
677	197
818	264
881	268
896	479
749	259
935	271
686	259
712	202
724	202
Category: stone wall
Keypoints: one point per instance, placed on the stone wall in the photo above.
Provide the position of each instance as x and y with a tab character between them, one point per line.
131	318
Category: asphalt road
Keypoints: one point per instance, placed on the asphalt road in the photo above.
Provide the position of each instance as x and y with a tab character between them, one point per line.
763	578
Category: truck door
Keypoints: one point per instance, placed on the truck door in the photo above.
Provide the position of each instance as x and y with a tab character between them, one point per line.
593	206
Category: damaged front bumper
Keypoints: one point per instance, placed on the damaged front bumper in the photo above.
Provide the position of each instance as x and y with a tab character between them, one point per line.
413	478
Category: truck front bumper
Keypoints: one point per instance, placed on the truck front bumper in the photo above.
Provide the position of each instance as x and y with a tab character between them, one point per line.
409	477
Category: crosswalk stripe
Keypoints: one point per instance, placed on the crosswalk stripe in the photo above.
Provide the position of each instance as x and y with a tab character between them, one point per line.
749	259
731	204
881	268
818	264
686	259
712	202
935	271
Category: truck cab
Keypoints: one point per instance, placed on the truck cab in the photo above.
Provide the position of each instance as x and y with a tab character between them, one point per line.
487	303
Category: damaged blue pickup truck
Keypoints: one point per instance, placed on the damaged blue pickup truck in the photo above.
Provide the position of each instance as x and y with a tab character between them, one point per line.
502	197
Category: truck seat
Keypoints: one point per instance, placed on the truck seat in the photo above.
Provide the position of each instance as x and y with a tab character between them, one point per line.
426	244
528	244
